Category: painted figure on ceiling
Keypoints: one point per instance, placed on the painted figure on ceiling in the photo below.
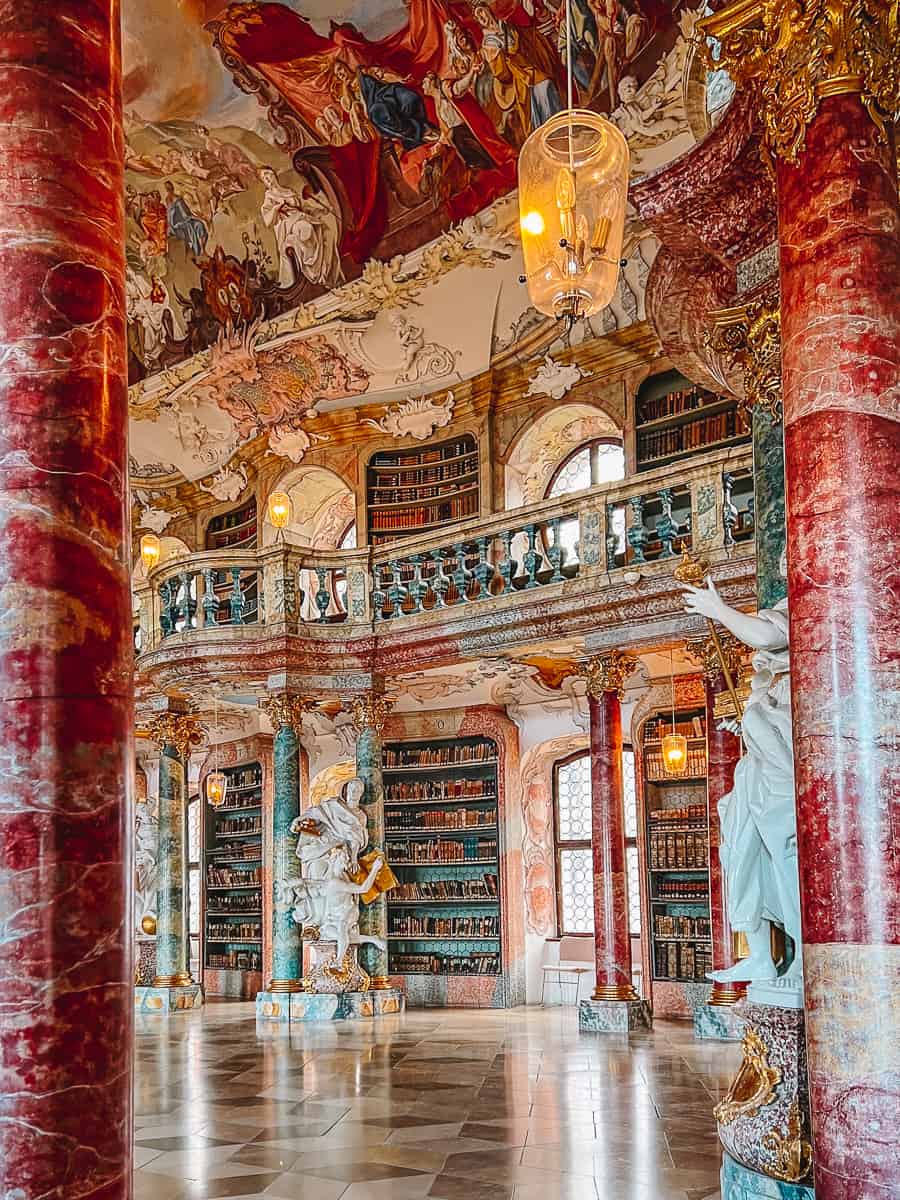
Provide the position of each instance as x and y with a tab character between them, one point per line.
305	224
183	224
524	70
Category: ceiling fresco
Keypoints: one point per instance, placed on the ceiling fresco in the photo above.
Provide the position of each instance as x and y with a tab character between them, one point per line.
309	186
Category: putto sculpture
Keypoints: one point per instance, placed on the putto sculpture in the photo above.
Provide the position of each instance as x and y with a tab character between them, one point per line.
758	817
335	873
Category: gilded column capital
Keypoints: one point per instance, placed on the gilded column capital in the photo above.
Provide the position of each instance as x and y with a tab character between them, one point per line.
794	53
286	710
181	730
704	651
749	335
369	710
607	672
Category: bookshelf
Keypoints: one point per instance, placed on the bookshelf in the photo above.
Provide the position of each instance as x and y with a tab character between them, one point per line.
235	530
233	908
677	852
443	843
675	418
414	491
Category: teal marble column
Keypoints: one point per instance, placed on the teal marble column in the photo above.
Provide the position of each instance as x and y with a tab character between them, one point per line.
286	715
768	492
369	714
175	733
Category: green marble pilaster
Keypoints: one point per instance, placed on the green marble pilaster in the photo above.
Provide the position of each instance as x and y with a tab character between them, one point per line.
768	492
372	917
287	962
172	963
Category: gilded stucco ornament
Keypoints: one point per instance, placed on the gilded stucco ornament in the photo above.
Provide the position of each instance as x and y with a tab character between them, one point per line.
181	730
749	335
286	710
792	1152
607	672
794	53
754	1085
705	651
369	710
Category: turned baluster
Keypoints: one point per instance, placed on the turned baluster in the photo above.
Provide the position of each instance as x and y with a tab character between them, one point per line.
187	607
210	599
637	534
507	565
322	597
666	527
418	588
378	593
236	600
397	592
484	570
532	559
729	510
440	582
555	552
166	616
461	575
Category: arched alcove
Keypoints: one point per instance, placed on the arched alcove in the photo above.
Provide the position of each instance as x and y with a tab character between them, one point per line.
324	508
547	443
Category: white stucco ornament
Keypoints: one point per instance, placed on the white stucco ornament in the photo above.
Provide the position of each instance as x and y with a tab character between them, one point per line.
226	484
154	519
418	417
554	378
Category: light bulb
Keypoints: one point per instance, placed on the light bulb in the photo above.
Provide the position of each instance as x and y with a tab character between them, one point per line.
280	509
216	787
150	550
532	222
674	753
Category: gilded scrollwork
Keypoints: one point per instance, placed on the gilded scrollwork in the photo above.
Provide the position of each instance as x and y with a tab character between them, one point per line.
607	672
750	337
754	1085
181	730
794	53
791	1151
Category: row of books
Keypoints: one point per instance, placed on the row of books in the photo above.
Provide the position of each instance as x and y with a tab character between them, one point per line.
244	904
240	931
674	403
422	514
440	756
696	764
485	888
238	538
434	850
678	851
235	960
682	960
240	517
657	727
431	454
245	777
412	495
439	818
444	964
683	814
235	825
441	789
681	889
245	850
415	926
224	877
681	927
691	436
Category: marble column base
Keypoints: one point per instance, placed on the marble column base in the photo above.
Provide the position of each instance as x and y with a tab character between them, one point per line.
718	1023
293	1007
613	1016
740	1183
168	999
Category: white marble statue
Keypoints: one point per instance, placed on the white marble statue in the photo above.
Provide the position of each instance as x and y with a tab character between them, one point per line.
146	867
335	821
329	903
758	817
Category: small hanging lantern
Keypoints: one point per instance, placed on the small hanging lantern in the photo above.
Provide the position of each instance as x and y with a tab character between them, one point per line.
150	551
281	510
674	745
216	787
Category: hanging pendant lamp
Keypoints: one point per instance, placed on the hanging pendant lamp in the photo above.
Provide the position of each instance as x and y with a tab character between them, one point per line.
216	780
674	745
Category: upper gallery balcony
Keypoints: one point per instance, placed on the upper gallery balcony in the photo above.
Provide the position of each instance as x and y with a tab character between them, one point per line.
596	560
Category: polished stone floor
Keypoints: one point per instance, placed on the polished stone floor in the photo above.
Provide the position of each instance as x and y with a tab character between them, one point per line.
455	1105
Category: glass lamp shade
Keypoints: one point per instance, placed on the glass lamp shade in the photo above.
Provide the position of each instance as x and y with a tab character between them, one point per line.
216	787
573	186
280	509
674	754
150	550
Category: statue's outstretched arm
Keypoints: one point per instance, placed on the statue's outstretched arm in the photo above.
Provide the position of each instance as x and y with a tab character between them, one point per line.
754	631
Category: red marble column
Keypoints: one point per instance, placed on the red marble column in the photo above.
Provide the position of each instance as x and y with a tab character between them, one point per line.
66	663
611	935
723	750
839	230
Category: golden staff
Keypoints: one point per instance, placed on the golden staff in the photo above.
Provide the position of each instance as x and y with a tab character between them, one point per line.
694	570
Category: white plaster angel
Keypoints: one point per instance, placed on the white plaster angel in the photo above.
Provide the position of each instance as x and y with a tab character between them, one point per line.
758	817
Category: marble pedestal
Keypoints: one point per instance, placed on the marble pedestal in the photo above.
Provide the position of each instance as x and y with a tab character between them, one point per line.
613	1016
294	1007
764	1120
740	1183
168	999
718	1023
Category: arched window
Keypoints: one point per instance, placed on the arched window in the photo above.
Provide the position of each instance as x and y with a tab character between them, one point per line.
599	461
572	830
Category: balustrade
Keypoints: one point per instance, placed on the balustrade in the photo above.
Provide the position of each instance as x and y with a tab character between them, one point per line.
621	525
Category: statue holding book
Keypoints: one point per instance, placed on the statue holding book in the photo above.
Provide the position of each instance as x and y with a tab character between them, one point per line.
758	817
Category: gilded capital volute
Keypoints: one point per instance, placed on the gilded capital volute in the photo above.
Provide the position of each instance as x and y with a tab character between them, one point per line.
181	730
607	672
286	710
749	336
369	710
703	650
794	53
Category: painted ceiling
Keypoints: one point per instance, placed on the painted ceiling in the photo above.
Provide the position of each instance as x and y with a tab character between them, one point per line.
309	186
